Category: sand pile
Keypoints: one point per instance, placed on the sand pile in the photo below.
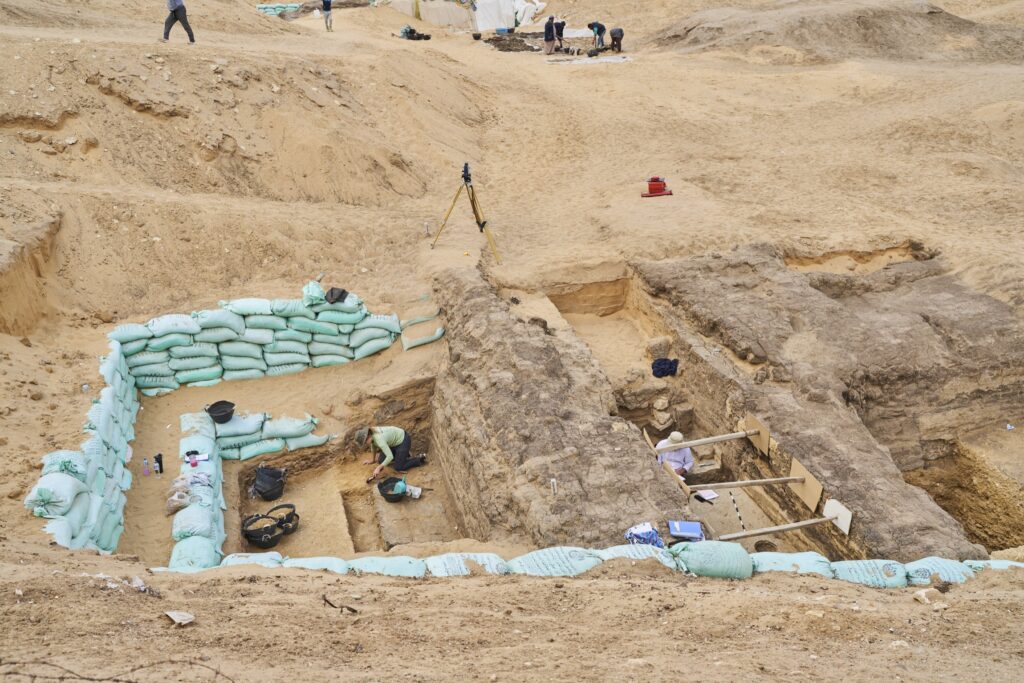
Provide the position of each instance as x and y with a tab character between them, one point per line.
847	29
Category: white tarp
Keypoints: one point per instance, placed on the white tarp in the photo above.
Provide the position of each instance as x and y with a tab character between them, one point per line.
446	13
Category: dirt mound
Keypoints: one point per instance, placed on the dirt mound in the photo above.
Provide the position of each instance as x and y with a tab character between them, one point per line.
846	29
235	16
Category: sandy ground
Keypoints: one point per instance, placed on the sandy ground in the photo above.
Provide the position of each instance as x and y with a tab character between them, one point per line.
268	183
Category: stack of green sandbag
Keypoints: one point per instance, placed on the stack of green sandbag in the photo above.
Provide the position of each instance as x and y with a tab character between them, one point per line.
82	492
198	526
253	338
248	436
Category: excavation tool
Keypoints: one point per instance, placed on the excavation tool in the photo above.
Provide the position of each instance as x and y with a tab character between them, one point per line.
478	213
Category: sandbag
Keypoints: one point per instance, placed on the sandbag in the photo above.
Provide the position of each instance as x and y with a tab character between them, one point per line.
198	443
241	363
408	344
331	564
384	322
220	317
230	454
312	326
61	530
147	358
275	359
351	304
173	323
919	572
638	551
278	370
146	383
288	427
389	566
201	375
239	425
265	322
197	350
980	565
157	391
238	441
874	573
360	337
248	306
167	341
322	349
373	346
216	335
292	335
557	561
260	337
291	308
130	332
154	370
718	559
194	363
137	346
242	374
53	494
261	448
342	318
78	514
307	441
454	564
286	347
268	559
340	339
313	294
242	349
800	563
69	462
325	361
199	423
194	520
194	553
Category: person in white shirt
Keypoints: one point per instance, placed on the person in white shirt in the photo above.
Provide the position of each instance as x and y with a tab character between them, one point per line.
681	459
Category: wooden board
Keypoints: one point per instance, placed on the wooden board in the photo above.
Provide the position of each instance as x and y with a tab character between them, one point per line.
762	439
810	489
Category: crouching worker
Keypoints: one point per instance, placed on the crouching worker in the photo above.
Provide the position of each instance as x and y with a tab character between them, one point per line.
391	447
616	34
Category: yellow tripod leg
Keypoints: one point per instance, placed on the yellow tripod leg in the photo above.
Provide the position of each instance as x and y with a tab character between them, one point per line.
446	216
494	246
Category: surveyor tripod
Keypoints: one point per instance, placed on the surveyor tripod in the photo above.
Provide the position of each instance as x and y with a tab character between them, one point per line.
478	213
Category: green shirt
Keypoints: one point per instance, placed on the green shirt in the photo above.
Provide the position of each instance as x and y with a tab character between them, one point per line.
386	437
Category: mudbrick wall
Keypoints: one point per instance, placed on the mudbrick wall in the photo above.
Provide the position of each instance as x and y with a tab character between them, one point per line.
515	407
854	374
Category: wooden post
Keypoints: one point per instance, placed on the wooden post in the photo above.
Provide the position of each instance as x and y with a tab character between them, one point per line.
750	482
706	440
775	529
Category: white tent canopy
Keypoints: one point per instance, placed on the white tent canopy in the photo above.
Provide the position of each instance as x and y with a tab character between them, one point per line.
479	15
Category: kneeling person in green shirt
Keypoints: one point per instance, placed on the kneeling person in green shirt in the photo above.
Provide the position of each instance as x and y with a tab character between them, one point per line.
392	445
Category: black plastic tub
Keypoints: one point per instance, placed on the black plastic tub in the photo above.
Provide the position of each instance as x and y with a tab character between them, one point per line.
221	411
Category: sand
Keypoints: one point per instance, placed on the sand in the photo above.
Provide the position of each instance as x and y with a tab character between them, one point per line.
272	152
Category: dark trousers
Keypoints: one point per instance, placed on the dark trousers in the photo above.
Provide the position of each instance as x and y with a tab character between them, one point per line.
178	15
616	44
403	461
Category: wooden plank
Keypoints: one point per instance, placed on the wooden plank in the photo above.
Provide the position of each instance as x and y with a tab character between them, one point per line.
704	441
810	489
679	480
768	530
750	482
762	439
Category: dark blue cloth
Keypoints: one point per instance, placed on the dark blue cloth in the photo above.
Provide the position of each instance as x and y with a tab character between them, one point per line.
549	30
327	5
664	367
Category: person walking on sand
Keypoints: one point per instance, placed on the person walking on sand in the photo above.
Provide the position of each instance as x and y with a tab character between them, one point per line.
328	21
177	13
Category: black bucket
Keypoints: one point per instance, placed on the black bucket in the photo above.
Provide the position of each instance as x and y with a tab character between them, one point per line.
221	411
385	487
